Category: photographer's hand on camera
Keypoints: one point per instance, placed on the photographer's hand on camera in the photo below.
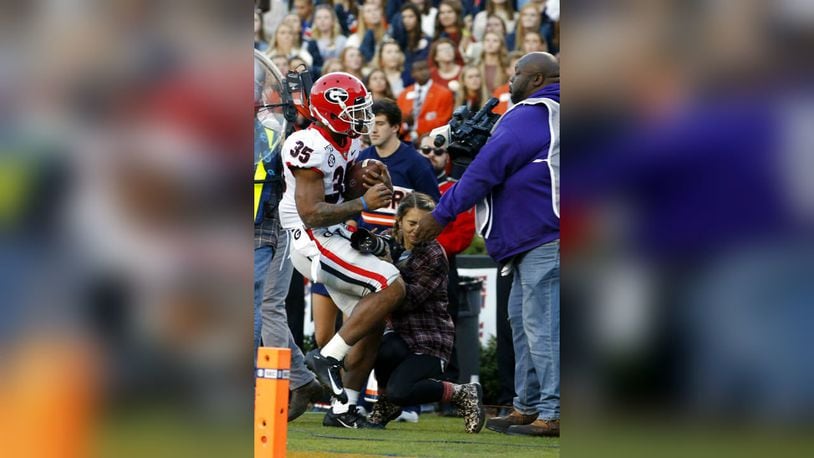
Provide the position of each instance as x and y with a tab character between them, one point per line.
378	196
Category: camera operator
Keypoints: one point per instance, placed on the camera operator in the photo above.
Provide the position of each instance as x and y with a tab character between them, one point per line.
514	180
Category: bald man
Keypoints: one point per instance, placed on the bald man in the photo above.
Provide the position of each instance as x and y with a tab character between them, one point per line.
514	183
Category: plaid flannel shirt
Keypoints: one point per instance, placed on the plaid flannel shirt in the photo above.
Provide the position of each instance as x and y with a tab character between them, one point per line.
422	319
267	231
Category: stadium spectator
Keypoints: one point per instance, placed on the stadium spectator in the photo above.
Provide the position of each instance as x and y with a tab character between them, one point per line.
293	21
549	16
518	165
494	61
391	9
428	14
260	42
494	24
303	43
449	23
333	65
347	11
424	105
473	89
501	8
376	82
408	170
533	42
281	62
326	32
273	17
371	31
283	44
351	59
446	63
391	61
419	337
473	7
406	30
304	9
297	63
530	21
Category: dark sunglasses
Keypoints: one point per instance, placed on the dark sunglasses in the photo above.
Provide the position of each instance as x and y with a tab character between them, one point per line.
430	149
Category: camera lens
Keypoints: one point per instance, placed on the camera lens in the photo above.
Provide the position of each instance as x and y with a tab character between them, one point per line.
367	242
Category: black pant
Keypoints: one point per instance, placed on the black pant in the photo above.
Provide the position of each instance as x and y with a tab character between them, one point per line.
452	372
407	378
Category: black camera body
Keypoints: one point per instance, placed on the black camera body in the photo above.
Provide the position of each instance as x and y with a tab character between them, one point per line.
365	241
468	133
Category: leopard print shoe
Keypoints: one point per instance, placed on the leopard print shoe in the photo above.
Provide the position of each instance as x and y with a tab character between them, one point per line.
469	399
383	412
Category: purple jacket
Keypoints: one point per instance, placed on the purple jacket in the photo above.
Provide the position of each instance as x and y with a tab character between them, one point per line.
514	179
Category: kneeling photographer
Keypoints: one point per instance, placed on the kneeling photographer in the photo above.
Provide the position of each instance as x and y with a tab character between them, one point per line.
418	341
514	182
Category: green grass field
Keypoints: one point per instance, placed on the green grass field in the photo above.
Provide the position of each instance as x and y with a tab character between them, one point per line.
158	434
432	436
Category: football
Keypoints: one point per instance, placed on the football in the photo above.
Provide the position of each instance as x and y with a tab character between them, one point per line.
362	175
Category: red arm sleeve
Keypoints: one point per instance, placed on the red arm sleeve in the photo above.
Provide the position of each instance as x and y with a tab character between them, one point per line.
457	236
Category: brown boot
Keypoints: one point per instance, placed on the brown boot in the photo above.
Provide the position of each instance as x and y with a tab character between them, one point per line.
501	424
550	428
301	397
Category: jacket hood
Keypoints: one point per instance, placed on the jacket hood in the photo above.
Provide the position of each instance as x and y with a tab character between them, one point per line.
551	91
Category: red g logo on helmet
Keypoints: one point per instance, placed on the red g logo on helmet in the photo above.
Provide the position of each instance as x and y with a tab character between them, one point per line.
342	103
336	95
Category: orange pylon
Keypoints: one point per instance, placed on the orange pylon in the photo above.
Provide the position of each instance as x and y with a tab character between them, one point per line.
271	402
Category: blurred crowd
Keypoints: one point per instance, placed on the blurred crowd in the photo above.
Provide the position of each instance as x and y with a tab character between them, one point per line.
469	48
688	231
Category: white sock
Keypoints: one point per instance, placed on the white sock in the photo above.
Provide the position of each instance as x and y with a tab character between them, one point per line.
353	396
336	348
338	407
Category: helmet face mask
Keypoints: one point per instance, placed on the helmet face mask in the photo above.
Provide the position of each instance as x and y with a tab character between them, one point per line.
342	103
359	115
